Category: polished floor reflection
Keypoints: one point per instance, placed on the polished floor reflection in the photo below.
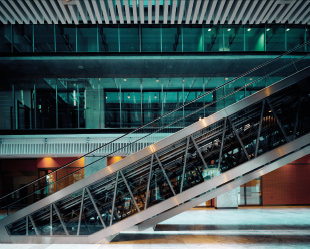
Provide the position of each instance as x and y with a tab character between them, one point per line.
250	227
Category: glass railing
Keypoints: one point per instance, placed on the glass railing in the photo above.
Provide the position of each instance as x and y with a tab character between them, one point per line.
170	122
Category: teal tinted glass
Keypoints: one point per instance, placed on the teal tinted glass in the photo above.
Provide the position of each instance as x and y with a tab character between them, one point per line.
129	38
87	38
254	38
44	38
213	38
295	36
108	38
151	38
6	38
22	35
172	38
275	38
65	38
192	38
234	37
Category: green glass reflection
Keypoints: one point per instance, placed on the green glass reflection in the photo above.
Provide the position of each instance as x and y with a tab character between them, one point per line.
295	36
65	38
108	38
44	38
254	38
22	38
172	38
87	37
129	38
151	38
275	38
234	37
6	38
213	38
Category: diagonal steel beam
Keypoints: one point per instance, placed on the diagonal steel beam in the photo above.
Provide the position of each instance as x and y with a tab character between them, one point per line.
60	218
237	135
34	225
132	197
297	116
279	123
81	210
95	206
199	152
164	172
222	143
259	128
148	183
114	198
184	165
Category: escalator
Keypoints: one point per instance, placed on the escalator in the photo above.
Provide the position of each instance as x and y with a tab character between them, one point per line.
241	142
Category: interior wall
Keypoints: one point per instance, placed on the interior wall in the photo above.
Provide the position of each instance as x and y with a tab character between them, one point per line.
288	185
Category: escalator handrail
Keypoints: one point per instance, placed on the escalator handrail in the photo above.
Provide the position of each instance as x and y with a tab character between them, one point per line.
157	119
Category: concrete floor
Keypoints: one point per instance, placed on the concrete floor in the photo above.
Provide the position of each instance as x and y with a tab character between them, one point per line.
251	227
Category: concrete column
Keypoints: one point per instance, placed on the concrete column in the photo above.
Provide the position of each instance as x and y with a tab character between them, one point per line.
227	200
93	168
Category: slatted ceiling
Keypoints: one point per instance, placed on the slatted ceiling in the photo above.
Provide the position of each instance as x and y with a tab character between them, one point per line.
166	11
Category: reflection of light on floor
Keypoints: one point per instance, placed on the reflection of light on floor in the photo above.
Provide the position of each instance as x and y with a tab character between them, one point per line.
225	232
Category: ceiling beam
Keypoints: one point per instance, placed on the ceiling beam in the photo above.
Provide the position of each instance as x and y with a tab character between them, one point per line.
242	10
291	11
220	7
235	8
270	11
42	10
257	11
120	11
50	10
12	11
104	11
35	11
134	12
263	13
275	13
82	10
166	4
7	15
300	18
156	12
112	11
3	18
27	11
128	18
149	11
249	12
211	11
300	9
65	11
189	11
58	11
227	9
284	12
90	11
181	12
141	11
306	19
74	13
203	11
173	11
96	10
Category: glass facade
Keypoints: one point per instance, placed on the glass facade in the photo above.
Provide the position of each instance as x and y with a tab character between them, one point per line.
95	103
150	38
250	193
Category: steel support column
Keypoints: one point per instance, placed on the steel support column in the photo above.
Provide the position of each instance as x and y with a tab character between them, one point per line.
184	165
60	218
114	198
81	210
133	198
148	183
259	128
222	143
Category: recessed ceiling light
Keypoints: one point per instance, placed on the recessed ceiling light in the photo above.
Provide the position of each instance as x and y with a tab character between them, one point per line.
226	78
209	29
287	29
183	79
250	78
124	79
157	80
249	29
268	29
128	96
155	96
228	29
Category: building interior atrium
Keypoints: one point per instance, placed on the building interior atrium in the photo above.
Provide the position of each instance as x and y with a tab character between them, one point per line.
154	123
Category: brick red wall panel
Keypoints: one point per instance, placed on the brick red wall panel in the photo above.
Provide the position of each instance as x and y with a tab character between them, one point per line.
288	185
